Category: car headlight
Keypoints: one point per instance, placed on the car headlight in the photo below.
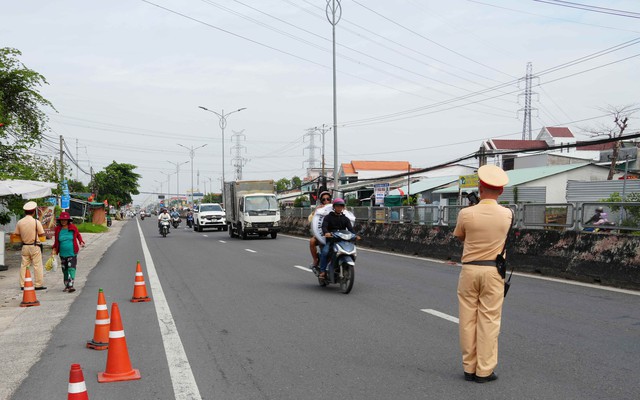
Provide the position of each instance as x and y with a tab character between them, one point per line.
277	223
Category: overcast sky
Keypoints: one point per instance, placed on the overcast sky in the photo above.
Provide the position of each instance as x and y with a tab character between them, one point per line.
127	77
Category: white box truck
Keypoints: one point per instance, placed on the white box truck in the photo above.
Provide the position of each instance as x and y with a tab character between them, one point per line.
251	208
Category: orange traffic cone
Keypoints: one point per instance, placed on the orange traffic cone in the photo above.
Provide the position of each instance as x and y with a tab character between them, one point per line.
100	339
29	295
77	387
139	287
118	363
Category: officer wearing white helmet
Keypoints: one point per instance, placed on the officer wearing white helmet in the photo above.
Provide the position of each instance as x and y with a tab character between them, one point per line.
30	229
483	229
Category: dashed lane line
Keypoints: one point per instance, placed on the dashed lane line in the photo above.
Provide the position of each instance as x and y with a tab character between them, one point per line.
303	268
182	379
205	235
441	315
250	251
222	241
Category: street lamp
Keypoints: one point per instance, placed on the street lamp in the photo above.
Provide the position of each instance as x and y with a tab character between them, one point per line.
223	124
334	14
168	175
192	153
178	176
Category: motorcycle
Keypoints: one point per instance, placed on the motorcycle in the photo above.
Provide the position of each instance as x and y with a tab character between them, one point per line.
342	261
175	221
141	217
164	228
190	220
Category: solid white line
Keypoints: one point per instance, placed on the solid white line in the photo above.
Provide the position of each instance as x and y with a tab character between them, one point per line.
303	268
222	241
522	274
441	315
250	251
205	235
184	383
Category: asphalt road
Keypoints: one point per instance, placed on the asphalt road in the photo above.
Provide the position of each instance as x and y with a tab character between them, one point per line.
255	326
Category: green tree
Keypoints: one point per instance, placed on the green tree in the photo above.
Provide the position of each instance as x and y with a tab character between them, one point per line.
77	186
116	183
22	120
283	184
298	202
296	182
22	125
631	213
212	198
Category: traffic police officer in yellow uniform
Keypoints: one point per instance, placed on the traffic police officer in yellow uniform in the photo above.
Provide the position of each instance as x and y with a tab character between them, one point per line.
483	229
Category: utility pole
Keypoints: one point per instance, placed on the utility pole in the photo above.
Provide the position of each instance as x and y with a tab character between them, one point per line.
324	129
178	164
192	153
238	161
526	123
61	159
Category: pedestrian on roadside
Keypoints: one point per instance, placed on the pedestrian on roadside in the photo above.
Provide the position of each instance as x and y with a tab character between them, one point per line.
483	229
30	230
67	244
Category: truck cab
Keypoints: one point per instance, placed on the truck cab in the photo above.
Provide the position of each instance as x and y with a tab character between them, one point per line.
252	209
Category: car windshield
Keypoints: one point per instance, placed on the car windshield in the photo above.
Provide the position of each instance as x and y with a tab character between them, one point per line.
258	203
209	207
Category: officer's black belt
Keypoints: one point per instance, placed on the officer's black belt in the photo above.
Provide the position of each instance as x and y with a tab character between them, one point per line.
488	263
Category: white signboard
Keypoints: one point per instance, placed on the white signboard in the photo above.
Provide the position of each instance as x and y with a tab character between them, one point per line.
381	190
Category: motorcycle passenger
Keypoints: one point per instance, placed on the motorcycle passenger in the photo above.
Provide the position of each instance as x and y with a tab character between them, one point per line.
325	199
334	221
163	216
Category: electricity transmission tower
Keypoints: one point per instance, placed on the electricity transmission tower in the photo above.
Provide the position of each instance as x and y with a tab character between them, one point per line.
238	161
312	161
528	93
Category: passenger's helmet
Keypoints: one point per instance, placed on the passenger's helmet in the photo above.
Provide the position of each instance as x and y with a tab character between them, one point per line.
338	202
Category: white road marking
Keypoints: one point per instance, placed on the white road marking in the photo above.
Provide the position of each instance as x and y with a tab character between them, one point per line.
522	274
205	235
441	315
222	241
303	268
184	383
250	251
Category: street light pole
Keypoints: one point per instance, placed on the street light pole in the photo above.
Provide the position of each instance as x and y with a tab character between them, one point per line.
223	124
334	14
178	176
168	175
192	153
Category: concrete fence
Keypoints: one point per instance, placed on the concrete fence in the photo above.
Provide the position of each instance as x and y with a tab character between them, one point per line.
608	259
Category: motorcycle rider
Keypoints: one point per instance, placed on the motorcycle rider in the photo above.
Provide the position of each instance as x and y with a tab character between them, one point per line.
334	221
163	216
190	218
325	199
596	217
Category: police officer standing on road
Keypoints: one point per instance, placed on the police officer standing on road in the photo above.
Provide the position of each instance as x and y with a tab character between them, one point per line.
29	229
483	229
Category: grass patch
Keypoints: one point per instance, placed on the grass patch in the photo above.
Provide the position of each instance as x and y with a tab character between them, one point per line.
87	227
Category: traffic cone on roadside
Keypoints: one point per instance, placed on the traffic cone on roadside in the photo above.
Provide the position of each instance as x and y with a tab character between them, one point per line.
118	363
77	387
139	287
29	295
100	339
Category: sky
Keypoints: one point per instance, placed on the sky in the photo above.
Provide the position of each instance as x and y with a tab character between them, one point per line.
424	81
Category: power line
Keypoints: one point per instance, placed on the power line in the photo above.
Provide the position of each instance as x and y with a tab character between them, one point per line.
586	7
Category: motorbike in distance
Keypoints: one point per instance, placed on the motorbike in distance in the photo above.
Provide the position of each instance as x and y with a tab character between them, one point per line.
175	221
342	261
164	228
190	220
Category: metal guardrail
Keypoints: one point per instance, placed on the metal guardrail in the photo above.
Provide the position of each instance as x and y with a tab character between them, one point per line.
565	216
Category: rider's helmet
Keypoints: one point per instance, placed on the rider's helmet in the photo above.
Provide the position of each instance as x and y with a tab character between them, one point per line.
599	209
324	194
164	210
338	202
